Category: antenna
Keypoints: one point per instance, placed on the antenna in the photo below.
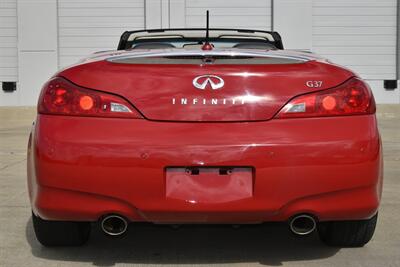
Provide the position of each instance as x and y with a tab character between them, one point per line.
207	24
207	45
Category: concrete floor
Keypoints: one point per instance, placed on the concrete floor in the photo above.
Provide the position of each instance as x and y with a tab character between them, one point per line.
146	245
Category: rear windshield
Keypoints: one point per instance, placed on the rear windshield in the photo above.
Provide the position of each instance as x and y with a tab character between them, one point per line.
194	43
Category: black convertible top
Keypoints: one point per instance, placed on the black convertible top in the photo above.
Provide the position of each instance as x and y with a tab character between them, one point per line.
131	38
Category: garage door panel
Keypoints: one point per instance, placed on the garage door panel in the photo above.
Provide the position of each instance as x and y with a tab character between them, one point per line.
89	41
355	11
102	23
352	40
8	52
7	32
76	51
95	2
102	4
224	11
376	44
368	60
100	12
354	3
131	25
8	41
99	31
92	25
254	14
8	62
70	60
369	70
355	50
8	73
360	34
354	30
8	4
8	22
7	12
379	73
349	21
227	21
224	3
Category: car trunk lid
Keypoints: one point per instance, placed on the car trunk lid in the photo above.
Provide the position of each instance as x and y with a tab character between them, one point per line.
207	87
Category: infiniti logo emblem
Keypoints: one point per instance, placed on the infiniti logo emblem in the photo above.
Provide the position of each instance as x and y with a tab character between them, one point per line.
201	82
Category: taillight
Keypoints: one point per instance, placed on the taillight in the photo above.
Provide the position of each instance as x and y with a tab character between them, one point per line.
350	98
60	96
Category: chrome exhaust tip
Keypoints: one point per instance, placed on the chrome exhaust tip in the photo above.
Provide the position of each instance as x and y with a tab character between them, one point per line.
302	224
114	225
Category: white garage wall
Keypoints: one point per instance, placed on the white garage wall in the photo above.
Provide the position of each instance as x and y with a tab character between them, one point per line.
360	34
252	14
37	36
87	26
8	41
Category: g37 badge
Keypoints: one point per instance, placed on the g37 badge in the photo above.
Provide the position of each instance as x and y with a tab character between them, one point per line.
314	84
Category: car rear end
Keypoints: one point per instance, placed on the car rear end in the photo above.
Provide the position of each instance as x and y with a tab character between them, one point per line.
135	137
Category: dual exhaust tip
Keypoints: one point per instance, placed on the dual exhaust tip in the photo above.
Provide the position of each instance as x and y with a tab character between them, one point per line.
302	224
115	225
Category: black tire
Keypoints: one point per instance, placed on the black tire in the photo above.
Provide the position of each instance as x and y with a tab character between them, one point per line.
60	233
347	233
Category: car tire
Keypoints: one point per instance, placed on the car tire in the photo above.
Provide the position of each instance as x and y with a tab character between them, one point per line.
347	233
60	233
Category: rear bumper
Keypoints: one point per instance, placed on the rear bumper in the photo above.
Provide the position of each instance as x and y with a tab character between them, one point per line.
83	168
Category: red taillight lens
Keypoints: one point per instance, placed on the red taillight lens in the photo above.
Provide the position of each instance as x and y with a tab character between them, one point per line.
350	98
60	96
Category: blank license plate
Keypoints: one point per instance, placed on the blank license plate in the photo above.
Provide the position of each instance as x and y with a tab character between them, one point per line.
209	185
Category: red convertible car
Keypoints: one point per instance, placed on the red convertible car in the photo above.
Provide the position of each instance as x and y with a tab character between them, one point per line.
175	128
